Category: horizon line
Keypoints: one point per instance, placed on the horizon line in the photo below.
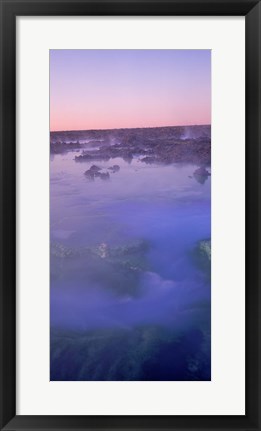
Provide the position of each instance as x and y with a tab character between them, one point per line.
129	128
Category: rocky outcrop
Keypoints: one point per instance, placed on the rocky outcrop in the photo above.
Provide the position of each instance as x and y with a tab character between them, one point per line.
98	172
201	175
145	353
63	147
163	145
93	172
132	136
163	151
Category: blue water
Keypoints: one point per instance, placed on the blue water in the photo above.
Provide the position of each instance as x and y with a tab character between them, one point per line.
142	315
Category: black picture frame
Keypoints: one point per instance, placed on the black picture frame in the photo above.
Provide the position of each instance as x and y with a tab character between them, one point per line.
251	10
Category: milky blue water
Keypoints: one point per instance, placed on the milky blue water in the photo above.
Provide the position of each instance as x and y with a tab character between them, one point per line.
118	314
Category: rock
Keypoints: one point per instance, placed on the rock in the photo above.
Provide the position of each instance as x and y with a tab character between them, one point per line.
103	176
201	175
95	168
202	254
148	159
202	171
114	168
139	353
94	172
89	174
204	247
63	147
165	145
103	250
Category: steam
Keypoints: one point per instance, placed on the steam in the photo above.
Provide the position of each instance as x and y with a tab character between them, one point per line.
160	301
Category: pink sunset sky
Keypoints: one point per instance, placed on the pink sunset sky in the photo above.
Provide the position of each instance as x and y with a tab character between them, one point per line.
108	89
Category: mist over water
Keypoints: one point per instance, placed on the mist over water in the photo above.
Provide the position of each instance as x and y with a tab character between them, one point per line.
128	298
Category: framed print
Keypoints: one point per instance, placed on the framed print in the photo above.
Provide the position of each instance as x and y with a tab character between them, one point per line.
115	258
130	215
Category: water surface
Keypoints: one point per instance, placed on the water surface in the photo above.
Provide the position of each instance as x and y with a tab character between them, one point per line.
129	300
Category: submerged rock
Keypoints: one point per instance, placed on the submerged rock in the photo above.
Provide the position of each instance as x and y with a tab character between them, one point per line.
117	268
202	255
103	176
205	249
114	168
122	353
102	250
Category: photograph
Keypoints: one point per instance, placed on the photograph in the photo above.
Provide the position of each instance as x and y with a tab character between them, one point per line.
130	214
130	249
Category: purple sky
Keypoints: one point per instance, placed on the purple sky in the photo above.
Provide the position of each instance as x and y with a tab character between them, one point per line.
106	89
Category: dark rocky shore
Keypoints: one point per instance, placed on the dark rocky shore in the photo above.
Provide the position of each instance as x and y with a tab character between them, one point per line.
165	145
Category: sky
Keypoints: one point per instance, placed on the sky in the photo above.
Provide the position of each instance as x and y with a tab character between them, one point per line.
109	89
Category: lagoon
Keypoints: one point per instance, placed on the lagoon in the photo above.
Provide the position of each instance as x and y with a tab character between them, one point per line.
129	299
